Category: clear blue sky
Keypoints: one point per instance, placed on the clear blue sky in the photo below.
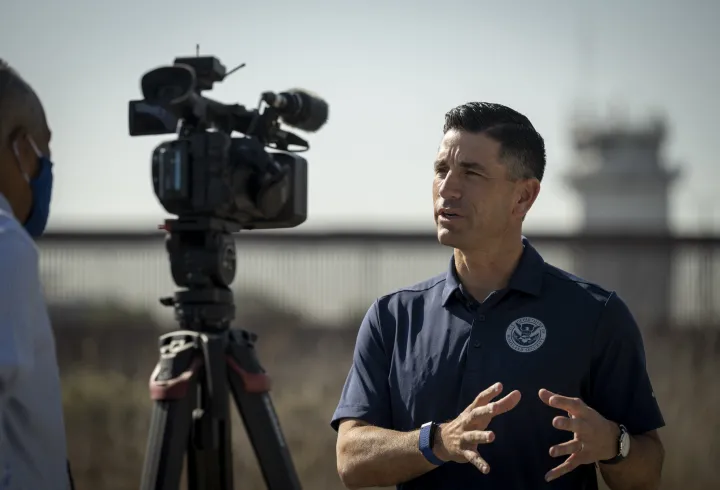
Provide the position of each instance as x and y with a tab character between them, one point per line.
389	70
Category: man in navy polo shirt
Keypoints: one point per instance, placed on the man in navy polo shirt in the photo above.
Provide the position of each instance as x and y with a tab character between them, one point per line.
504	372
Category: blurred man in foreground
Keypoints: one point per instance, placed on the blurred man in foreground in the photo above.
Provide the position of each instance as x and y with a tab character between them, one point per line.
33	450
422	405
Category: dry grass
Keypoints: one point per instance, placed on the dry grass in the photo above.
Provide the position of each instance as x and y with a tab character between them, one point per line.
107	410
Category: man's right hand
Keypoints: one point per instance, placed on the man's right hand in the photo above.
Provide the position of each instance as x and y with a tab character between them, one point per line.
458	439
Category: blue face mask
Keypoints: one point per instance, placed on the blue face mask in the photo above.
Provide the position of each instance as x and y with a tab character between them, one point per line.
41	187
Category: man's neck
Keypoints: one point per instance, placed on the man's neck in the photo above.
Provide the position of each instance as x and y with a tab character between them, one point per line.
488	268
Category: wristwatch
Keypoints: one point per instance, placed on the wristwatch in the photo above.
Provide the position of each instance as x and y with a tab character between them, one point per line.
427	441
623	447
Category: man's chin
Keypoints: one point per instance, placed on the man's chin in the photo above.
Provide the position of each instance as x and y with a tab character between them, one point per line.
447	237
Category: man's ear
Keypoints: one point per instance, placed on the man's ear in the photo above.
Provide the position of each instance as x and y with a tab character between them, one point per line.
7	151
25	157
15	138
527	193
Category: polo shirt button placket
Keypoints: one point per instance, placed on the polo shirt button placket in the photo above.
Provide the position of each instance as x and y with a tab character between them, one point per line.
479	318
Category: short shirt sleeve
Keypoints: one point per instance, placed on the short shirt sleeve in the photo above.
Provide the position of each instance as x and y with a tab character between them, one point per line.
366	394
18	284
620	387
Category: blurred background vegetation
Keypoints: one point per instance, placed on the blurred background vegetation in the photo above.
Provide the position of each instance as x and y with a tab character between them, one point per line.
107	354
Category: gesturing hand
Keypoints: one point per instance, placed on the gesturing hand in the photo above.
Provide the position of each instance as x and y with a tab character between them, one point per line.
459	438
595	437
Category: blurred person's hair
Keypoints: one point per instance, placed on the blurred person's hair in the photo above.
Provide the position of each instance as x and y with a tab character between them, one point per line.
19	104
522	148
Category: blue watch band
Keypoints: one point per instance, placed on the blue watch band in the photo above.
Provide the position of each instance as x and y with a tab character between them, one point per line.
425	443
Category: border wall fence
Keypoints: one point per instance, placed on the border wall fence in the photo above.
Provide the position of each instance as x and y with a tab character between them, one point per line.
668	282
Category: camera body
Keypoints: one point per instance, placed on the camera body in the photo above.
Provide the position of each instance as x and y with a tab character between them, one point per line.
208	173
234	179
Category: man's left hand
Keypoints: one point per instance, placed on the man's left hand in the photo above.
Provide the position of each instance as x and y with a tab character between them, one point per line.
595	437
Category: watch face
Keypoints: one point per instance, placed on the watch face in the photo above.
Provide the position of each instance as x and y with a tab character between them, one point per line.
624	444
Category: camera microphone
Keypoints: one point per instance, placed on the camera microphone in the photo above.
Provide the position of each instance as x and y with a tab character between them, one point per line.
299	108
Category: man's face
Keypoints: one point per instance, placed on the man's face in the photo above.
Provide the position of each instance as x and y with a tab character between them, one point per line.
474	197
18	158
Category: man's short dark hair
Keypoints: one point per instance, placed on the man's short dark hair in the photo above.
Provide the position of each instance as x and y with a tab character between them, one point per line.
520	145
19	104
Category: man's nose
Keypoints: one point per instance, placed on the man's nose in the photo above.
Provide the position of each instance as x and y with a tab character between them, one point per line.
450	187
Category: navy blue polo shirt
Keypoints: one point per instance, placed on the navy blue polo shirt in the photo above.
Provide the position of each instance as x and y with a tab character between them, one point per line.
424	353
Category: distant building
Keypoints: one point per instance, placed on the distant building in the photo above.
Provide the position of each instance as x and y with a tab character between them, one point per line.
621	177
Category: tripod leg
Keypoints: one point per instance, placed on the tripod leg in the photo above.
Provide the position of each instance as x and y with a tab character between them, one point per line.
250	386
210	455
173	387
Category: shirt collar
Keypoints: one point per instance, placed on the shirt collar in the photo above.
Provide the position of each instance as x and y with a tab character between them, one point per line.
527	277
5	206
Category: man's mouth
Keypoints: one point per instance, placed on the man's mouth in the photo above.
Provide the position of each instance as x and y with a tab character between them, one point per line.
449	215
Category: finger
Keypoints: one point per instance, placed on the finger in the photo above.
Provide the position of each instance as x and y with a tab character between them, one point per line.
573	406
570	464
476	460
570	447
567	423
475	437
486	396
492	409
545	396
505	404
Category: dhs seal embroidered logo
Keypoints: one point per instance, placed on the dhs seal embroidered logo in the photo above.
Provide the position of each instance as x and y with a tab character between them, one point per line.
525	334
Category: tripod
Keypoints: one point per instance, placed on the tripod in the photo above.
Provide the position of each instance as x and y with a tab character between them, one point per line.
200	365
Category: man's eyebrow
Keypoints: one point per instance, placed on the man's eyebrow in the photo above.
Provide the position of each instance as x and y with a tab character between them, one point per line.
473	166
464	164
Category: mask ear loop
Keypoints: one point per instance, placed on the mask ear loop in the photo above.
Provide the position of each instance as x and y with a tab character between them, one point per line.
35	148
17	155
19	163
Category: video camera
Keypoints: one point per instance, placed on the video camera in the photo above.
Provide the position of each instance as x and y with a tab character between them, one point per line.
207	173
217	185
